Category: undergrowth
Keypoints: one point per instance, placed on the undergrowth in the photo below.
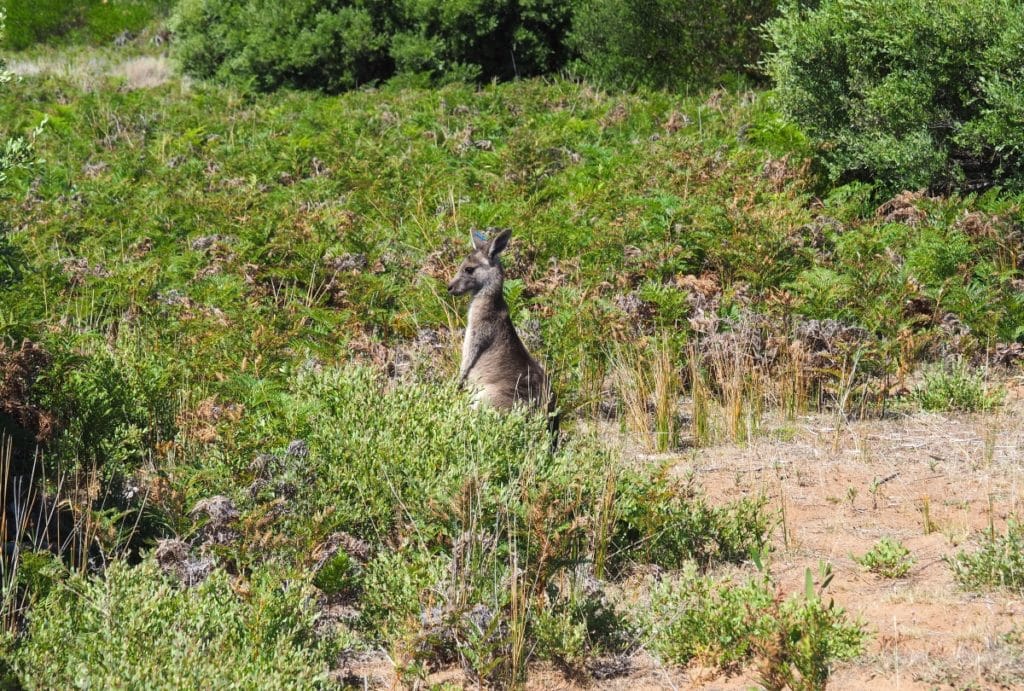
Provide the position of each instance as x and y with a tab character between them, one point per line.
999	563
957	388
795	640
249	357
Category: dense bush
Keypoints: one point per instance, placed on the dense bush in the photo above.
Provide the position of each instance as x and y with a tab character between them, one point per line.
667	43
911	93
308	43
110	407
337	44
135	628
460	513
481	39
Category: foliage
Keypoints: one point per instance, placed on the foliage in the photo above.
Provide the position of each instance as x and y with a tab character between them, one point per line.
112	406
340	45
700	618
998	564
170	170
809	638
680	526
94	22
244	296
957	387
135	628
579	626
482	501
310	44
912	94
480	39
14	152
888	558
667	43
725	624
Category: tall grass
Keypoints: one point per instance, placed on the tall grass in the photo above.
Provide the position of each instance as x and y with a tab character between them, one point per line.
649	383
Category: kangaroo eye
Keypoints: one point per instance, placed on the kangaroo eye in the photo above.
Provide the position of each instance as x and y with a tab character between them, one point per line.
470	270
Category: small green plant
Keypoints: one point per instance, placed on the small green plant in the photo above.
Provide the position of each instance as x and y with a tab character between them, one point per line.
957	388
998	564
888	558
578	626
808	638
15	152
339	575
697	617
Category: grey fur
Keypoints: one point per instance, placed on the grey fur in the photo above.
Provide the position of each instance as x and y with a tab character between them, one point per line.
495	363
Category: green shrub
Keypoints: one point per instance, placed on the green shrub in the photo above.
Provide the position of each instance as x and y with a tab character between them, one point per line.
667	43
134	628
481	39
956	387
336	44
266	44
888	558
998	564
360	432
724	624
578	626
810	636
911	93
700	618
467	513
667	523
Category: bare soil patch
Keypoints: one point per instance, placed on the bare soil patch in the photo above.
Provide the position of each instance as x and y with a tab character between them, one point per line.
934	482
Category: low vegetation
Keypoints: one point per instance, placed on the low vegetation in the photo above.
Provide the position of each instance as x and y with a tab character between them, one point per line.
888	558
722	624
69	22
999	563
956	387
231	433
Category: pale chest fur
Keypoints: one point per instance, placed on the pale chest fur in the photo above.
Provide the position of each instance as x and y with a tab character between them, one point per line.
467	341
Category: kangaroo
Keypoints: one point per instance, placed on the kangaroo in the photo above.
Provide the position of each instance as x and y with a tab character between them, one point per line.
494	360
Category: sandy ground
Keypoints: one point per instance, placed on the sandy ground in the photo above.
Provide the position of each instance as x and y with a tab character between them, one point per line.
934	482
842	490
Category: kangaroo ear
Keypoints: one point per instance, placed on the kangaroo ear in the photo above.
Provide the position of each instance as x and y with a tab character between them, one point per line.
499	243
478	240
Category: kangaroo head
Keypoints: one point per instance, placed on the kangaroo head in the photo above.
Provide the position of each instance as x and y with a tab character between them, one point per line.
481	269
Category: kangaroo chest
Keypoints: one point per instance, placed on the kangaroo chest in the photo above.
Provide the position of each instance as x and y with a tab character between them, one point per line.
467	342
